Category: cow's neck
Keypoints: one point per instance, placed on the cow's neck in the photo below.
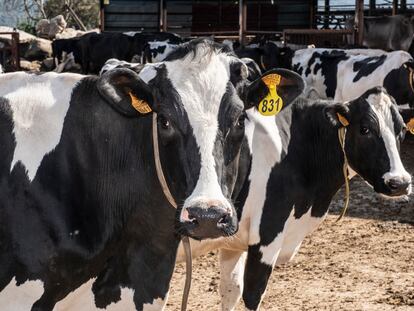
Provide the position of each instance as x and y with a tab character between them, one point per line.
314	159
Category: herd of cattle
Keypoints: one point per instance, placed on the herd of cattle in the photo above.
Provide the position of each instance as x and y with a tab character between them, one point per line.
85	219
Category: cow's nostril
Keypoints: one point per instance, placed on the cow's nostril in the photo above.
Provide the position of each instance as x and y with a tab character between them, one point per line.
224	219
393	185
396	184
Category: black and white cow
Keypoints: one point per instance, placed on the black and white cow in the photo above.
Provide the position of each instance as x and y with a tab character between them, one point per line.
343	75
157	51
296	169
79	195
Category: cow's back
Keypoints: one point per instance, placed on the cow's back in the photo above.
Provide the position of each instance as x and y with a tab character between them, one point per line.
360	72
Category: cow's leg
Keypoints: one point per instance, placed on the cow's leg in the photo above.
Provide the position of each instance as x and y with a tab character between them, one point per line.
231	277
51	295
259	265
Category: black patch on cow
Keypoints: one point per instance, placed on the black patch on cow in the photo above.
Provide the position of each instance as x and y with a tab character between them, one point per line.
242	186
159	49
329	61
229	140
298	68
397	84
255	278
7	139
367	66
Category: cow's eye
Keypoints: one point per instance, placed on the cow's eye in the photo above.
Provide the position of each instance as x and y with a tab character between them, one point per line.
240	122
164	122
364	130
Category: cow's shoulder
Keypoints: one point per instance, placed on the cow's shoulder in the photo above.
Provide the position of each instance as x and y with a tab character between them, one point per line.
37	105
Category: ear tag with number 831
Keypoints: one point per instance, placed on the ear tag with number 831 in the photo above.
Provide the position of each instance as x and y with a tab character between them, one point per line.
272	103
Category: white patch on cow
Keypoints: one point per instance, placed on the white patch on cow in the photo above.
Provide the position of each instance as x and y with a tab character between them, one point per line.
228	43
114	63
296	229
201	87
157	305
22	297
39	104
149	72
131	33
231	277
1	69
83	299
287	243
267	139
111	64
271	252
253	45
381	105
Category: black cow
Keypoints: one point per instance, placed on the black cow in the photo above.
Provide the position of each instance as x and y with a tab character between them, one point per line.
61	47
268	55
296	169
92	50
79	195
390	33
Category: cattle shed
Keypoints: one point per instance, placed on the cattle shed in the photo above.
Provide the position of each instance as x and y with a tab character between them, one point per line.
194	18
299	21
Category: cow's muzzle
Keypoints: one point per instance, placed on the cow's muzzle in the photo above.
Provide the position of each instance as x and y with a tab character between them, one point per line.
208	222
398	186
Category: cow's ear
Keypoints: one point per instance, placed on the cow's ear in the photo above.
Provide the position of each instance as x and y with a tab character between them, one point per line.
337	114
273	91
126	92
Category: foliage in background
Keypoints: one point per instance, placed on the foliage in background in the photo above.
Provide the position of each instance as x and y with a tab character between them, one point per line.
27	26
87	11
25	13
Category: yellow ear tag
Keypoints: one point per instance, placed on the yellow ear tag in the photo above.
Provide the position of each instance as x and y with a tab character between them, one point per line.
272	103
342	119
410	126
140	105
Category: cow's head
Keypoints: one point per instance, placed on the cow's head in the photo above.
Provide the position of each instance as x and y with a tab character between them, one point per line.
372	142
277	57
400	83
200	94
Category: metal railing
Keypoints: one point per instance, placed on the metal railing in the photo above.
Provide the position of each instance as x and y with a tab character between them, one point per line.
318	37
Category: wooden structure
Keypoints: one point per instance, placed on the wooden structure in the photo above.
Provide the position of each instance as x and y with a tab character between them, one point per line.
245	18
208	17
12	50
331	30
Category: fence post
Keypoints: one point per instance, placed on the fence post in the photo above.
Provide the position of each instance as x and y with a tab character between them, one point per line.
359	21
242	20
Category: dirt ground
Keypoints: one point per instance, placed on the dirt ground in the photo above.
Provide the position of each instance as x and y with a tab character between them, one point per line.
364	262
